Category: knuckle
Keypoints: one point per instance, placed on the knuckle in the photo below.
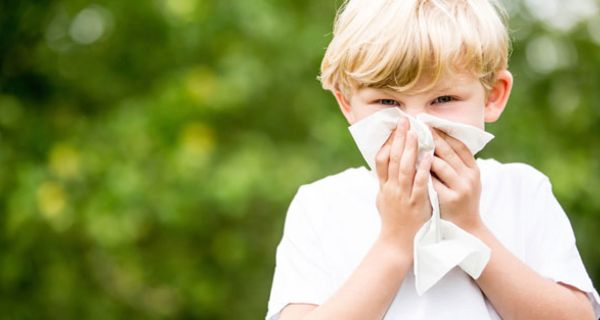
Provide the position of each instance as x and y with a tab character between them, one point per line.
440	152
420	179
388	191
455	157
405	169
473	178
454	198
442	147
414	202
380	159
476	174
397	192
463	188
382	153
443	165
384	188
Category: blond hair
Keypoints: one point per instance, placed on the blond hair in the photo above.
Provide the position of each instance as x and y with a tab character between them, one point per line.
395	44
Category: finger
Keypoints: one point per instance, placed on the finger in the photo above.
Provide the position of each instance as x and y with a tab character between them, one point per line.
439	187
421	178
408	163
382	159
444	172
397	148
445	151
461	149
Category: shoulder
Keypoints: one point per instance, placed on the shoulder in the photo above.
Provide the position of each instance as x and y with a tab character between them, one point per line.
318	204
350	175
516	187
493	166
334	197
514	173
349	181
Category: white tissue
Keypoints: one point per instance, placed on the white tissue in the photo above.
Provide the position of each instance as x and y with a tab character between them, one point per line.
439	245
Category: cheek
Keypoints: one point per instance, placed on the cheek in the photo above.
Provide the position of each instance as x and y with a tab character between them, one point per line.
462	114
364	111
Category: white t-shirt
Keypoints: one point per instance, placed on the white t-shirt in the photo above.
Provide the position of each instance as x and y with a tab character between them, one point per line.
332	223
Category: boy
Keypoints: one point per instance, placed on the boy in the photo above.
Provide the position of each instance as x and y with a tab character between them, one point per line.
347	247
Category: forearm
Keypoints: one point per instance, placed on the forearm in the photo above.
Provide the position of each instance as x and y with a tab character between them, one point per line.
518	292
370	289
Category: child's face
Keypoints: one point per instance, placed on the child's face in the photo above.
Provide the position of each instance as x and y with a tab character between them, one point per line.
459	98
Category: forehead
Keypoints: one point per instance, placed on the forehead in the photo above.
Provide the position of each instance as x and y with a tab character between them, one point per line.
461	82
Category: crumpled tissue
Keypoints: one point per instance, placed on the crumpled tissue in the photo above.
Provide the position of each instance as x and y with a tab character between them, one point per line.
439	245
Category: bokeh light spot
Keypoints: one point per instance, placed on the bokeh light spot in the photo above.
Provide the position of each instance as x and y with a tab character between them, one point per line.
89	25
51	199
196	144
201	85
65	161
593	28
560	15
546	54
182	10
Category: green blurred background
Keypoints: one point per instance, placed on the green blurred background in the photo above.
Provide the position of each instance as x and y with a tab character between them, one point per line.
149	149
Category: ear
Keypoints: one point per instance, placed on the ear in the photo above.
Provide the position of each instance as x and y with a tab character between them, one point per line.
344	105
498	96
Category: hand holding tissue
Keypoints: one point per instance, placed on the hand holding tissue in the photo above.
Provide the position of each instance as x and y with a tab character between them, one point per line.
439	245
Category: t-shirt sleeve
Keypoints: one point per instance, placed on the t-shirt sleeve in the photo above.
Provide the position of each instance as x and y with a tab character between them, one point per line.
553	251
300	272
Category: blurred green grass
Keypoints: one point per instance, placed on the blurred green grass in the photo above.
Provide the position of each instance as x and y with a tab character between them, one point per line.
149	149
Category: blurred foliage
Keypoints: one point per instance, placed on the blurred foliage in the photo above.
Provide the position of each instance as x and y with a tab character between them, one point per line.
149	149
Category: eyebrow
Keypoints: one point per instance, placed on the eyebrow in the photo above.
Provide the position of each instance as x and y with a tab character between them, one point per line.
443	89
434	90
456	87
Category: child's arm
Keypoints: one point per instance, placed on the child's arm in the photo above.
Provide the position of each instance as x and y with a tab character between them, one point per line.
403	206
369	290
518	292
515	290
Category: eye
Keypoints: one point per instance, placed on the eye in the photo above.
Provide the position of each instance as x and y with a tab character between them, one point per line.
443	99
388	102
